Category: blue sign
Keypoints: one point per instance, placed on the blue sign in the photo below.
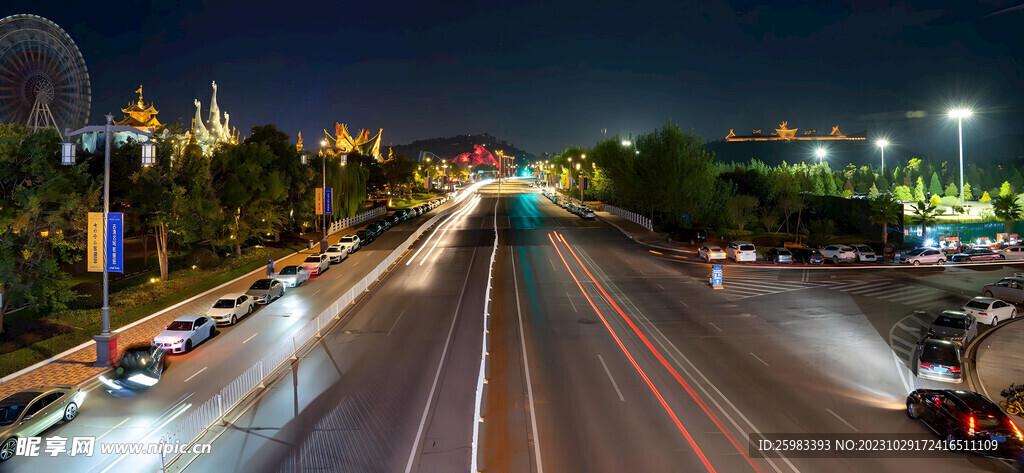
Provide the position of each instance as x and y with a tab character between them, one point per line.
716	275
115	243
328	201
585	182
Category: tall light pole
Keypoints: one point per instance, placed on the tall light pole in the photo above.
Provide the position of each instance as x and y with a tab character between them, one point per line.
882	143
959	114
820	153
323	175
106	341
445	167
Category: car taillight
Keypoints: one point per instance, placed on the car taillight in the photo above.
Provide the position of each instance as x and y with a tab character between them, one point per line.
1015	429
970	424
956	369
982	313
926	365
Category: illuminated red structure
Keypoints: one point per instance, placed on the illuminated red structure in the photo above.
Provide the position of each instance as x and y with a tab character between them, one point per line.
478	156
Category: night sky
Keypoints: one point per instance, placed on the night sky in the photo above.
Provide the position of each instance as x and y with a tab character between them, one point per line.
547	75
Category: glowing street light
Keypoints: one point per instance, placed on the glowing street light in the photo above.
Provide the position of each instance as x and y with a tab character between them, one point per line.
882	143
959	114
820	153
626	142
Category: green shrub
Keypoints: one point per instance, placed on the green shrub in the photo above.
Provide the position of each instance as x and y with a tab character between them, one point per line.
202	258
949	201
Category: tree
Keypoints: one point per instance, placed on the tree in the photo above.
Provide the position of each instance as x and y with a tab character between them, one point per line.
742	209
848	187
819	186
902	193
935	186
967	192
951	190
919	190
43	207
398	172
248	187
830	185
882	183
935	200
873	192
1005	190
985	198
1008	210
297	179
924	214
885	210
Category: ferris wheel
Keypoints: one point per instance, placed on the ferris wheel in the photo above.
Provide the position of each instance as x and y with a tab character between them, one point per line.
43	78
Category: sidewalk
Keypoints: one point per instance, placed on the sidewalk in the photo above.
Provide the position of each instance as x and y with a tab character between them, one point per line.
641	235
77	366
999	360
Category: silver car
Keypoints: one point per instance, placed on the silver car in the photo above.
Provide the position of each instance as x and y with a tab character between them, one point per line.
939	360
293	275
265	291
955	326
1008	289
29	413
864	253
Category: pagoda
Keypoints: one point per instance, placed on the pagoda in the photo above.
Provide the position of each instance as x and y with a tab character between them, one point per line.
784	133
140	116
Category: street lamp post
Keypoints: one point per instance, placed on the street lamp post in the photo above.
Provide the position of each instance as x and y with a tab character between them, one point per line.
323	174
445	168
959	114
106	341
881	145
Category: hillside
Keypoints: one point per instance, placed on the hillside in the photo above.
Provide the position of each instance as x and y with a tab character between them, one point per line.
448	148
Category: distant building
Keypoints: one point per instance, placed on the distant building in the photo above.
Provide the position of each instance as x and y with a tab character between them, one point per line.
784	133
141	116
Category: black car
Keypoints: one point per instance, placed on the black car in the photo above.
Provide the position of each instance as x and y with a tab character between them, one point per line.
383	224
692	235
395	219
976	254
778	255
808	256
960	416
140	367
401	215
366	236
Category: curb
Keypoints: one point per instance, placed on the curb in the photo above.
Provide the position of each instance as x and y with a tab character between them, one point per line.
973	380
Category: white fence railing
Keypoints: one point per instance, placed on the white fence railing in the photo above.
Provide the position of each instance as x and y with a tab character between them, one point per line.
631	216
189	429
356	219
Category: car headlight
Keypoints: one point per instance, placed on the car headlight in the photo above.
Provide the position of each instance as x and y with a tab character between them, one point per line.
140	378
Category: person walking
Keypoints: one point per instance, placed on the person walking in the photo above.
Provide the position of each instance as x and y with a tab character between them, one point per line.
270	268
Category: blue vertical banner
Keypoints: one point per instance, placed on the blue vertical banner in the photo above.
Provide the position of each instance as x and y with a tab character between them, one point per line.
585	182
328	201
115	243
716	276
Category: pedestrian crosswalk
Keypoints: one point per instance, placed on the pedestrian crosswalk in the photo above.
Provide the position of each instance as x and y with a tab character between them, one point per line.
736	289
917	297
905	335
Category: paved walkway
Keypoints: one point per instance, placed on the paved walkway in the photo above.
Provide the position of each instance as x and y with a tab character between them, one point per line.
999	359
642	235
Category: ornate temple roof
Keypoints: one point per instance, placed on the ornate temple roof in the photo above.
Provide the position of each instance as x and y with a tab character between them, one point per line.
141	116
344	143
784	133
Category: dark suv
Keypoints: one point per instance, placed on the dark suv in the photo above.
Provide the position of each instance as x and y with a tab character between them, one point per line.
957	416
366	236
692	235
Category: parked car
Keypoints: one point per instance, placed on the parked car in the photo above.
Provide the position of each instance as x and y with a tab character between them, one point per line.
1008	289
691	235
366	236
1014	252
184	333
864	253
293	275
384	224
939	360
957	415
401	214
808	256
317	264
395	219
924	255
955	326
31	412
350	242
839	254
230	307
587	214
990	311
740	251
139	367
709	253
336	253
265	291
779	255
977	254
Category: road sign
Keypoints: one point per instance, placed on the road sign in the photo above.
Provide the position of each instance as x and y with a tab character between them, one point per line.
94	243
319	200
328	201
716	276
115	242
585	182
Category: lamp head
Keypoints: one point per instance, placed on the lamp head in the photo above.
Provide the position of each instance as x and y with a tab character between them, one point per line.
882	143
960	113
820	153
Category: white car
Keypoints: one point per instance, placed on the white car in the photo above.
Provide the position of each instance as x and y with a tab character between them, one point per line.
708	253
990	311
336	253
230	307
924	255
351	242
864	253
1015	252
839	253
740	251
316	264
293	276
184	333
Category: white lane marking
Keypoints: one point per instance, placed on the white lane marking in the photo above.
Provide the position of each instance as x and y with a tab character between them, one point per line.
758	359
250	338
553	265
526	366
197	373
178	412
684	304
354	264
609	373
899	371
113	428
430	237
461	213
396	322
660	286
318	291
440	367
830	411
716	327
567	296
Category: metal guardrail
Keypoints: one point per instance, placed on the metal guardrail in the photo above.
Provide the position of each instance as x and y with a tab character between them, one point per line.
631	216
189	429
356	219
